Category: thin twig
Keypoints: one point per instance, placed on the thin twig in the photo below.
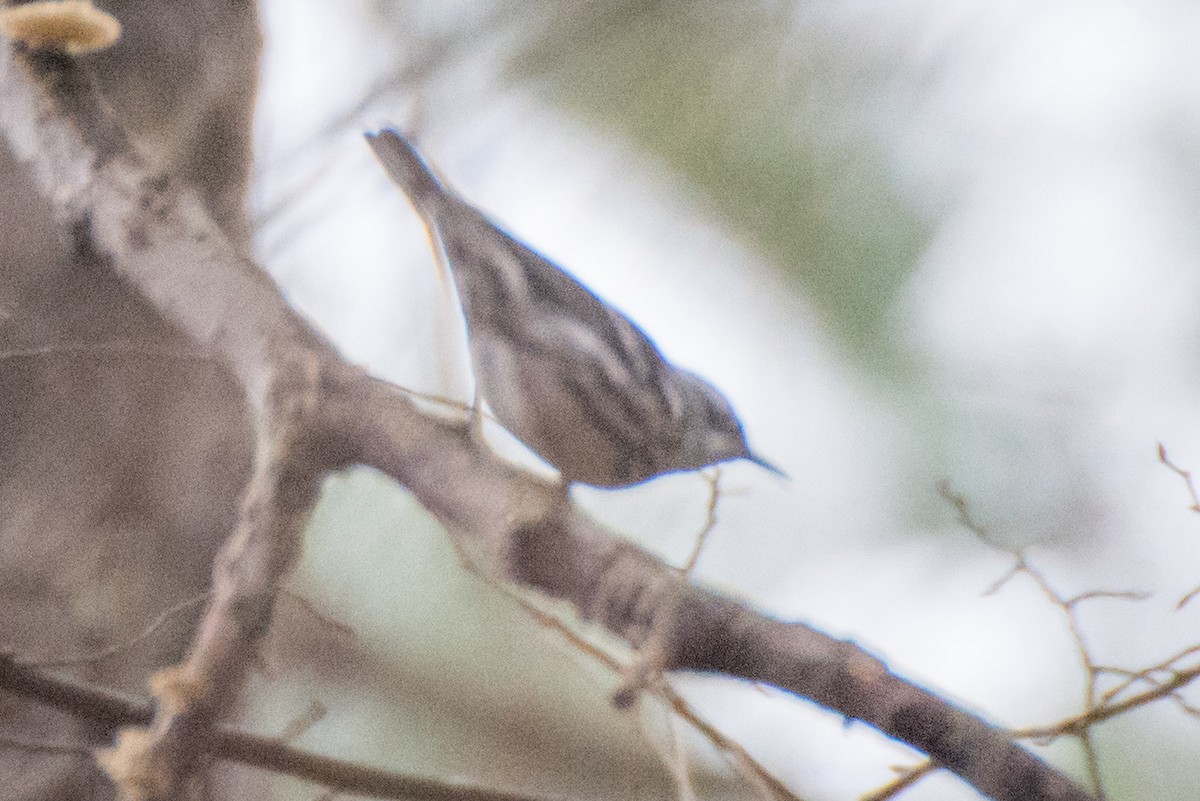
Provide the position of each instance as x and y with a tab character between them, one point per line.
1069	608
714	496
1072	726
113	650
343	629
300	724
1186	475
907	778
111	710
107	349
678	759
748	766
45	747
1097	707
1145	674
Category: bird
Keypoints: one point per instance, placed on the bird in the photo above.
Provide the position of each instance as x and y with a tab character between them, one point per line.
575	380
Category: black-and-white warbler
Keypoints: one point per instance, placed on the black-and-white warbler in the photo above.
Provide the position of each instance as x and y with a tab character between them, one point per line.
567	374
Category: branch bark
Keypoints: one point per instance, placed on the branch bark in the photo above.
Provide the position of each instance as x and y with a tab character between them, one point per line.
314	413
111	710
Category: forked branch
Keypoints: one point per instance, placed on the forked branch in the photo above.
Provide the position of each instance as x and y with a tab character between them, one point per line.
314	413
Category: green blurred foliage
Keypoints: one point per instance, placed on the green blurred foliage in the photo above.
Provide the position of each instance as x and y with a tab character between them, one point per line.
738	104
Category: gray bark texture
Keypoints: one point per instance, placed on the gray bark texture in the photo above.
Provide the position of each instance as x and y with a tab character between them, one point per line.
120	470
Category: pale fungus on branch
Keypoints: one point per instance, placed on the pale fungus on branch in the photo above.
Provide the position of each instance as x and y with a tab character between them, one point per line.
74	27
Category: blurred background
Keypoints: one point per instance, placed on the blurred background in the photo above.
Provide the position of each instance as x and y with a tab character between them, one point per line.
912	242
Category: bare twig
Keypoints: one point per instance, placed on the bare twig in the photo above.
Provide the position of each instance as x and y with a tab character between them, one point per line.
677	761
110	709
106	349
1097	706
1147	675
342	629
907	778
45	747
1020	566
1186	475
121	647
752	770
713	478
1071	726
300	724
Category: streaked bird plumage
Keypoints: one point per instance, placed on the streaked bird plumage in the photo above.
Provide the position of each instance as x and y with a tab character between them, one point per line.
570	376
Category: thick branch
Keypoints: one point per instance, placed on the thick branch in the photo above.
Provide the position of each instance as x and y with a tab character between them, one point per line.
315	413
111	709
157	233
158	237
638	597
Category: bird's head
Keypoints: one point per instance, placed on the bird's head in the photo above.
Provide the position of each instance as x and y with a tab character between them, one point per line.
711	430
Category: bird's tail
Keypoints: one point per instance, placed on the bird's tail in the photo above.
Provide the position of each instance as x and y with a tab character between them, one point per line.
410	172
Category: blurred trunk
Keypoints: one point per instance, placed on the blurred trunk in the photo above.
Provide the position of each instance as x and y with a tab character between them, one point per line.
121	454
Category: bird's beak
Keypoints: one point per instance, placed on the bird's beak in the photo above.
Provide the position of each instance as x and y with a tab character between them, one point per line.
764	464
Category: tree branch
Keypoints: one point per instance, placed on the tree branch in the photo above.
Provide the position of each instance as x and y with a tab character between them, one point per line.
111	710
315	413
